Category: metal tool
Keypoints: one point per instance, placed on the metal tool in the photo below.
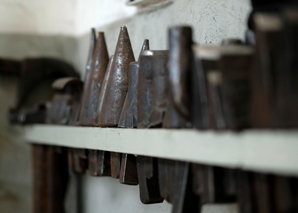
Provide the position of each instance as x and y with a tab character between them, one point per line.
117	84
100	59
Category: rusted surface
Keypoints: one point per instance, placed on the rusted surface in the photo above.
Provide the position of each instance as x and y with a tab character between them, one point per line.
164	177
99	163
104	85
117	84
128	172
180	57
145	89
88	115
129	114
65	107
159	95
148	180
266	65
49	178
115	164
183	197
90	56
76	164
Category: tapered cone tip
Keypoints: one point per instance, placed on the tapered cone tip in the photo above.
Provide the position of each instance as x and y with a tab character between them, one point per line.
90	55
117	82
144	47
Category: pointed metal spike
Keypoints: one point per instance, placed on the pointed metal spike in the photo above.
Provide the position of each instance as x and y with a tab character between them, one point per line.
117	84
88	116
129	116
90	55
104	86
144	47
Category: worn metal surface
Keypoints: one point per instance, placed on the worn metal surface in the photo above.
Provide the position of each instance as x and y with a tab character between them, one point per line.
148	180
49	178
93	84
128	172
129	114
266	64
92	42
115	164
99	163
159	84
104	85
117	84
69	103
145	89
180	57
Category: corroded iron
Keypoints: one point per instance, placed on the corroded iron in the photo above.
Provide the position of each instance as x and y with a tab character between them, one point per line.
117	84
104	85
226	69
180	57
159	95
129	114
144	104
66	107
148	180
115	164
50	178
266	65
100	59
128	172
129	119
90	56
99	163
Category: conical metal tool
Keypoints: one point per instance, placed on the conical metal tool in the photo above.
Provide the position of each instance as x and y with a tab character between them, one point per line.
88	116
99	161
90	56
117	84
129	119
129	114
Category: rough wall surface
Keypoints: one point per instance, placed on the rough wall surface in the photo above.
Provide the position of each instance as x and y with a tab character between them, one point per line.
61	29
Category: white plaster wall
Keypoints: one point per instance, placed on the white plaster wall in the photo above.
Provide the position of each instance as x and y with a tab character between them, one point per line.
55	17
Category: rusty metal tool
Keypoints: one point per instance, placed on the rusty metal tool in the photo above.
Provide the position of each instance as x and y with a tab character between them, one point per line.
159	95
266	63
180	58
148	180
115	92
100	59
129	119
98	161
146	166
129	114
117	84
226	69
183	197
50	178
92	44
35	77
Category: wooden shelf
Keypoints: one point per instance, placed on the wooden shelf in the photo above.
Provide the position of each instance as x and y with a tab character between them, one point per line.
273	151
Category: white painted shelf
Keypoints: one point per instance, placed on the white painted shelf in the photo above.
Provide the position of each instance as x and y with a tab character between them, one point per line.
274	151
